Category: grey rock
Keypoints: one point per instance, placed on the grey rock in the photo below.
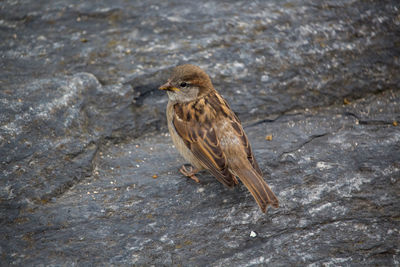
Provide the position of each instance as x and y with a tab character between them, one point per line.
88	172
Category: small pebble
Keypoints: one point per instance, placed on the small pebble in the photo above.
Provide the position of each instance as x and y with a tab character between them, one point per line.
200	190
253	234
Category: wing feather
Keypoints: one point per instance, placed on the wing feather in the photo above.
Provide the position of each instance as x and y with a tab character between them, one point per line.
193	123
199	136
237	126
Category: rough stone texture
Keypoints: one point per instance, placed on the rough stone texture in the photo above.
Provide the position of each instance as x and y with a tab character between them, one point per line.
82	132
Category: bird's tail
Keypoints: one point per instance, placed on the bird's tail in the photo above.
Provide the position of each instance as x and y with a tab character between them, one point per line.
258	188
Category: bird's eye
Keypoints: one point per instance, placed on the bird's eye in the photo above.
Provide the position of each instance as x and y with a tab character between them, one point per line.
183	84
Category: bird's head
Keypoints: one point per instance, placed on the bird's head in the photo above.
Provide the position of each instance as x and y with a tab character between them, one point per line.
187	83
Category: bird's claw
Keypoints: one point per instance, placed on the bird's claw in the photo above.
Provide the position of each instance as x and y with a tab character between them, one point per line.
190	173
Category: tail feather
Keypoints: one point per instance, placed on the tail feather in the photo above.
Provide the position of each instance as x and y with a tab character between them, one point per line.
258	188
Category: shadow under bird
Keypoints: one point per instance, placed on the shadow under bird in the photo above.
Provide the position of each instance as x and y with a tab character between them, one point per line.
209	135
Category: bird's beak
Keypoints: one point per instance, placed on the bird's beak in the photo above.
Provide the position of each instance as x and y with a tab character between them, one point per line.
168	86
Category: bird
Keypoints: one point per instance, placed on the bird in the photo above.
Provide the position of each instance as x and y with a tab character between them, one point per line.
210	136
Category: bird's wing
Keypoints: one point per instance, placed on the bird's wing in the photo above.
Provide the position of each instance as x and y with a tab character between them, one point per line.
193	123
237	126
219	103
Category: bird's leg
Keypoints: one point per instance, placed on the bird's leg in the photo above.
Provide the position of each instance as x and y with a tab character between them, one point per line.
190	173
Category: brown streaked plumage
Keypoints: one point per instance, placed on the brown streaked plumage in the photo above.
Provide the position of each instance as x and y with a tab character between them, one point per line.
210	136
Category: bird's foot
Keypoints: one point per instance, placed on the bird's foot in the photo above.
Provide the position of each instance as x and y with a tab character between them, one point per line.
190	172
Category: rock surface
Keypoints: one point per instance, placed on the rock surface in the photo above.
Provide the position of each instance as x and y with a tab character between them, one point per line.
88	174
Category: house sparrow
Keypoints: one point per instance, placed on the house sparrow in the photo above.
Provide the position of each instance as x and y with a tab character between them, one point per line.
210	136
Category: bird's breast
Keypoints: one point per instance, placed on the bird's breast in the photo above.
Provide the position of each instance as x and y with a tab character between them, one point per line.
178	141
